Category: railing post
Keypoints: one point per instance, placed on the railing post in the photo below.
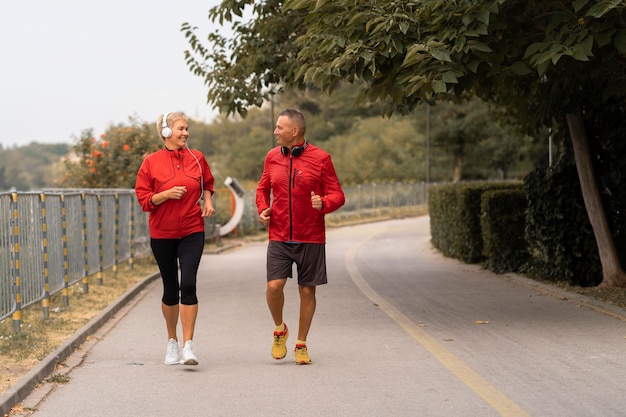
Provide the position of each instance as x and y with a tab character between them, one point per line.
131	259
100	242
15	254
66	262
45	302
85	246
117	233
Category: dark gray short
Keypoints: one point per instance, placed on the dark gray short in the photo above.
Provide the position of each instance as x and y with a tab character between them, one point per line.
310	260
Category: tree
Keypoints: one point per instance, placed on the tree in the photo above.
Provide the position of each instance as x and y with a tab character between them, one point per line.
111	161
355	153
251	68
31	167
550	61
459	127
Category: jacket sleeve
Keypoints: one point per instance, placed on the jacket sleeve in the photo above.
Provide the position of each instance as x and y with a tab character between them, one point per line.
263	188
207	176
333	197
143	188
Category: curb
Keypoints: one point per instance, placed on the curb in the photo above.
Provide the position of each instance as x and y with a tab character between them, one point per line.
569	296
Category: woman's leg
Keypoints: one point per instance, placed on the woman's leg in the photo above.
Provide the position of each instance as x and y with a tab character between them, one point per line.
189	252
164	251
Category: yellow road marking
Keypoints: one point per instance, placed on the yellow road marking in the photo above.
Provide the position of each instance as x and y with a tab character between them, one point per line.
490	394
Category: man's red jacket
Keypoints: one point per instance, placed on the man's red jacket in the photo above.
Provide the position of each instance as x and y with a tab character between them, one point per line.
163	170
286	185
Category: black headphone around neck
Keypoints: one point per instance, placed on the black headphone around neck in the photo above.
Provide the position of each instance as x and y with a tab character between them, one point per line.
295	151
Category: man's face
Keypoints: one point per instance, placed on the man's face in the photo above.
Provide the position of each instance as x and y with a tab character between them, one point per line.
285	132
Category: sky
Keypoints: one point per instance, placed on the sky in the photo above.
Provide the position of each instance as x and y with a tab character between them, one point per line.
72	65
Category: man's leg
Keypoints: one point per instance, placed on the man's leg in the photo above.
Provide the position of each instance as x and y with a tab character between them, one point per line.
307	309
276	299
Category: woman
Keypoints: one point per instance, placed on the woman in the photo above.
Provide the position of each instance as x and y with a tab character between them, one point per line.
175	186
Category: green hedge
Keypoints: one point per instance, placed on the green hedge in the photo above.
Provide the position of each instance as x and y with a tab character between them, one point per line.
560	239
455	217
503	220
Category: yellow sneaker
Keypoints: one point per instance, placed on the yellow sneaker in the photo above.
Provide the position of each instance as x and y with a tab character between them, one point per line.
279	348
302	355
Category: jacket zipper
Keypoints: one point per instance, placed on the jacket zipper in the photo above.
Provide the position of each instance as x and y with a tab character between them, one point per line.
290	186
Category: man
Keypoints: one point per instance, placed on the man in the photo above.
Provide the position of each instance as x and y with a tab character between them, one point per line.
303	185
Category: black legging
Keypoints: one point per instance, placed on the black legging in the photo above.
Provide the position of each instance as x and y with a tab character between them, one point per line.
186	251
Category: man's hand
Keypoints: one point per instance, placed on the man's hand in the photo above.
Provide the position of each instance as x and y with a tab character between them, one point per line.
316	201
264	216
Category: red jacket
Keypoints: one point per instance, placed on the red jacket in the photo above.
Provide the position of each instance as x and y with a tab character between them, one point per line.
290	180
162	170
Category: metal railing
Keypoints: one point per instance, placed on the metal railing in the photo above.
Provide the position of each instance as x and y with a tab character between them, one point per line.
54	239
51	240
370	200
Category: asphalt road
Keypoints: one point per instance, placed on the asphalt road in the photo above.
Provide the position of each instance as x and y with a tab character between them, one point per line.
399	331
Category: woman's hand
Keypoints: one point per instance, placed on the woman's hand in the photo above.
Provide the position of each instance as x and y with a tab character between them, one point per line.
177	192
207	209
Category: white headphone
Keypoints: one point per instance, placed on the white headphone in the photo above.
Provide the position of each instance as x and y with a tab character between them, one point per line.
165	131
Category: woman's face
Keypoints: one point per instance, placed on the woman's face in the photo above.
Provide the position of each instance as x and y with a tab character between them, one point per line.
180	134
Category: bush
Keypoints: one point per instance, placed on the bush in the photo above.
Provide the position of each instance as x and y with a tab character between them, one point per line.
455	213
560	240
503	222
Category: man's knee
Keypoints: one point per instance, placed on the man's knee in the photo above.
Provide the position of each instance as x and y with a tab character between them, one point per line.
306	292
276	285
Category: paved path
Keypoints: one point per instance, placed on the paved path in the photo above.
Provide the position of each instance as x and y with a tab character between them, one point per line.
399	331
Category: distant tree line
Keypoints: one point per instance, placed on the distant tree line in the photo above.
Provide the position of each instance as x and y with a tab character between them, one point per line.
467	141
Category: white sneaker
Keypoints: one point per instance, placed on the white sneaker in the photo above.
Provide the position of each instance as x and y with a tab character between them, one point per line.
188	357
172	357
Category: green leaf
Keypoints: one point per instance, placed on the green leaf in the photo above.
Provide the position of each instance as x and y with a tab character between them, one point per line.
483	17
467	19
534	48
579	53
366	55
413	55
479	46
582	51
520	68
295	4
449	77
439	87
473	66
441	54
321	3
598	10
579	4
541	68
